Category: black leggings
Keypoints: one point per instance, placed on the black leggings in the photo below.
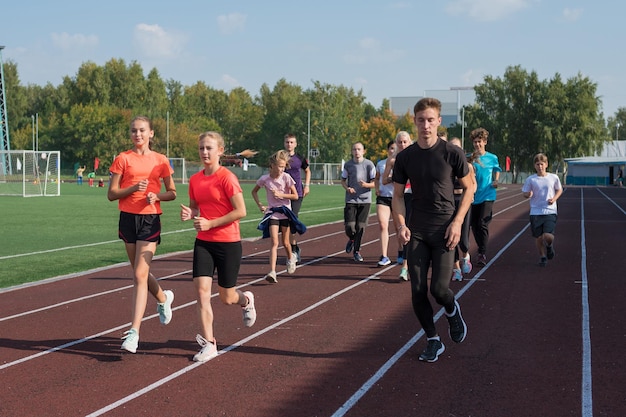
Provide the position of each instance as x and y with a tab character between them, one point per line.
480	219
428	250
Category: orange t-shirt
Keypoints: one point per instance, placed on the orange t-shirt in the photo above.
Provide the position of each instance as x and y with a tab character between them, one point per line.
133	168
212	194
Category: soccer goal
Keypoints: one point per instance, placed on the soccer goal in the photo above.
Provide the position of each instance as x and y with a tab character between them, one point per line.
180	170
30	173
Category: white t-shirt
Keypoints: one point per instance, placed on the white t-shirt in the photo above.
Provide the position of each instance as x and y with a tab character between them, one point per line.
543	188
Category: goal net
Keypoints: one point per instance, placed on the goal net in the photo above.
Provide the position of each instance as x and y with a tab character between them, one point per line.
30	173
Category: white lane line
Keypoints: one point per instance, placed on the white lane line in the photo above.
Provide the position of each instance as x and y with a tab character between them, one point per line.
19	255
189	368
85	339
347	406
586	386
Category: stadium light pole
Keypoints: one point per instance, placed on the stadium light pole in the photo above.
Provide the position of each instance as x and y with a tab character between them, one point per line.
308	149
32	116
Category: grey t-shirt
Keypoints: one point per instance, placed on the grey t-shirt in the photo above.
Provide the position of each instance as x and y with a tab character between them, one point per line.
353	172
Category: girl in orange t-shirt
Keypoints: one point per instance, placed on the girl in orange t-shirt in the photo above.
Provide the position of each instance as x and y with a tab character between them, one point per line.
136	182
215	205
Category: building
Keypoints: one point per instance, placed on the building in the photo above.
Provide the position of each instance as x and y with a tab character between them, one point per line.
601	169
452	101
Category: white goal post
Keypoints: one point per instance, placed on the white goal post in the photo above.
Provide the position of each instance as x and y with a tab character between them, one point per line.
30	173
180	170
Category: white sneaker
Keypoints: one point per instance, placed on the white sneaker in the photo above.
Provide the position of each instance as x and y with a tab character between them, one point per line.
208	351
131	340
165	309
249	312
291	266
271	277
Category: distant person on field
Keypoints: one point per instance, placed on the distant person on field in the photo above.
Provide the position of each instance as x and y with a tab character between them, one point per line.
79	174
216	205
297	164
358	179
91	176
543	189
384	192
434	228
136	184
462	262
280	188
403	141
487	175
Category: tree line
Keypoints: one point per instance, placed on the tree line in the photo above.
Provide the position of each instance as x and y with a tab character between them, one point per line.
88	116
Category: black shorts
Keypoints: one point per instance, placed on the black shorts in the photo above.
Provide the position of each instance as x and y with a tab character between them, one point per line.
356	213
144	227
279	222
223	256
383	201
544	223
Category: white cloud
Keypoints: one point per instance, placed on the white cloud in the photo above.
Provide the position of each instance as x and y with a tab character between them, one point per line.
572	15
66	41
370	50
228	82
486	10
155	42
229	24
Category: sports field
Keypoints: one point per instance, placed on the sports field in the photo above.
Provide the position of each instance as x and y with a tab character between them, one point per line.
46	237
339	338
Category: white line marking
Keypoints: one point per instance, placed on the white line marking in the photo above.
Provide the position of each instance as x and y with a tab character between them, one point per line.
586	386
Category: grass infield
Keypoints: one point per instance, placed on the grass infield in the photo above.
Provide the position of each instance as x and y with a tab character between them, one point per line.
46	237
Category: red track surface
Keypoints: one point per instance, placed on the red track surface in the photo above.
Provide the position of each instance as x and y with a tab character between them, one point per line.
340	338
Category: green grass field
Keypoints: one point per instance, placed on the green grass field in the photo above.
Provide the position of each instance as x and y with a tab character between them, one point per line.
46	237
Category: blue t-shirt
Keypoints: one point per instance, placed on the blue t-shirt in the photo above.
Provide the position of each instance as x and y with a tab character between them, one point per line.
485	166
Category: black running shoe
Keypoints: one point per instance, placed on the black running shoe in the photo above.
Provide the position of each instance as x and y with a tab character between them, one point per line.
434	348
550	252
349	246
543	261
458	328
296	250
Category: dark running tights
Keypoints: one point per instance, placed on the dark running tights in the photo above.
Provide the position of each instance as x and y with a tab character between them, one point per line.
423	253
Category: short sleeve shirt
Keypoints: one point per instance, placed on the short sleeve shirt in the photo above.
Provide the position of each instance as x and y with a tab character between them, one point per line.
133	167
212	194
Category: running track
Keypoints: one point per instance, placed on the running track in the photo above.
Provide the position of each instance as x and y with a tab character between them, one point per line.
339	338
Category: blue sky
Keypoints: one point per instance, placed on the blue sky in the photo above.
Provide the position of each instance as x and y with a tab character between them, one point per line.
384	48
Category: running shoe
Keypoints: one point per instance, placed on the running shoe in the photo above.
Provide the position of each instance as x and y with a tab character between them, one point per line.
482	259
208	351
458	328
358	257
457	275
296	250
249	312
404	274
550	252
384	261
165	309
131	341
271	277
349	246
543	261
291	264
434	348
466	265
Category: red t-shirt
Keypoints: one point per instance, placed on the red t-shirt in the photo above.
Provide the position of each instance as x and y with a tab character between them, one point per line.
133	168
212	194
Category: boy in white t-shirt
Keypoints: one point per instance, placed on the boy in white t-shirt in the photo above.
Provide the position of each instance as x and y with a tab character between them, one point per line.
543	189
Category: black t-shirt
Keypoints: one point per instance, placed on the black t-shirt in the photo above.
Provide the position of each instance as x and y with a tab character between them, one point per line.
431	173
